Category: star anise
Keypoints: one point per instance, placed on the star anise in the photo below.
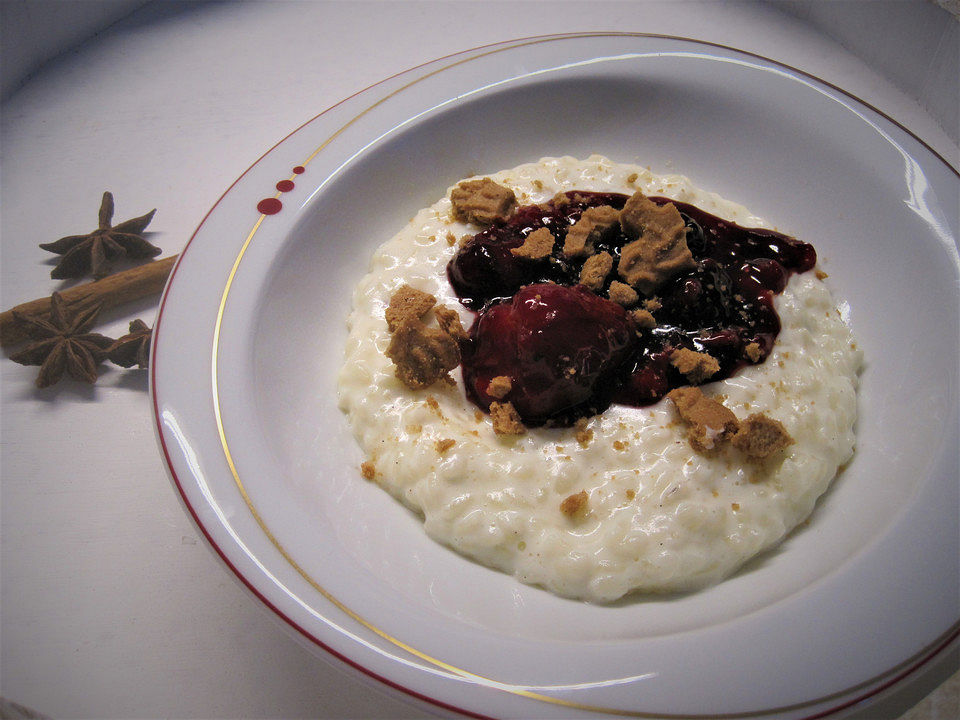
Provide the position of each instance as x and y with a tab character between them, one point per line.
92	253
62	344
133	348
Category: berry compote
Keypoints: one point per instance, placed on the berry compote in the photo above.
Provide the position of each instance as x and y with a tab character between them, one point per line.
570	352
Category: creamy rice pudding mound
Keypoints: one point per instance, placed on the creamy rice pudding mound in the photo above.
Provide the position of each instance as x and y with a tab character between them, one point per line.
631	498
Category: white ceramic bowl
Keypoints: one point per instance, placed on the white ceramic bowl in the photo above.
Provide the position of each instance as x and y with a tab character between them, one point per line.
250	333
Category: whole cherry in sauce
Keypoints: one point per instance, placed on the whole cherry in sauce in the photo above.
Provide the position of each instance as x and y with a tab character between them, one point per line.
562	348
723	307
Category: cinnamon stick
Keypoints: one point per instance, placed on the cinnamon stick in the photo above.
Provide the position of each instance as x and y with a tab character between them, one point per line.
113	290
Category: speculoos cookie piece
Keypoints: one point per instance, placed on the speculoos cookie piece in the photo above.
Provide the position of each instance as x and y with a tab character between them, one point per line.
482	202
660	249
422	355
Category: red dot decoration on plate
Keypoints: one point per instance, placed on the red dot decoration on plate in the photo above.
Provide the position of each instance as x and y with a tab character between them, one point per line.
271	206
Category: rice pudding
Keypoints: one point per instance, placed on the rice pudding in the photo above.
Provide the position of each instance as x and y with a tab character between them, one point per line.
619	502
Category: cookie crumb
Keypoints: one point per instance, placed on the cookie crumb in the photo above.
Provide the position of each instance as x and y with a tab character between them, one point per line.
574	504
593	224
449	321
536	246
482	201
760	436
709	422
368	470
652	304
407	303
594	272
753	352
660	249
422	355
644	319
631	494
821	275
622	294
583	434
445	444
506	419
499	387
696	366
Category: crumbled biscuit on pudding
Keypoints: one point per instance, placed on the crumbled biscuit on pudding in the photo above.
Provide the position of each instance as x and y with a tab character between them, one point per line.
482	201
536	246
709	422
760	436
407	303
660	250
697	367
593	224
595	270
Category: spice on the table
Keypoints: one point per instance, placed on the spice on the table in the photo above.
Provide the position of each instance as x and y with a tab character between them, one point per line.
112	291
94	252
132	348
62	345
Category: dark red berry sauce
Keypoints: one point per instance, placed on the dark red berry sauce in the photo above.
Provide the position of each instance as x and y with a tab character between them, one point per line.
562	347
570	353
